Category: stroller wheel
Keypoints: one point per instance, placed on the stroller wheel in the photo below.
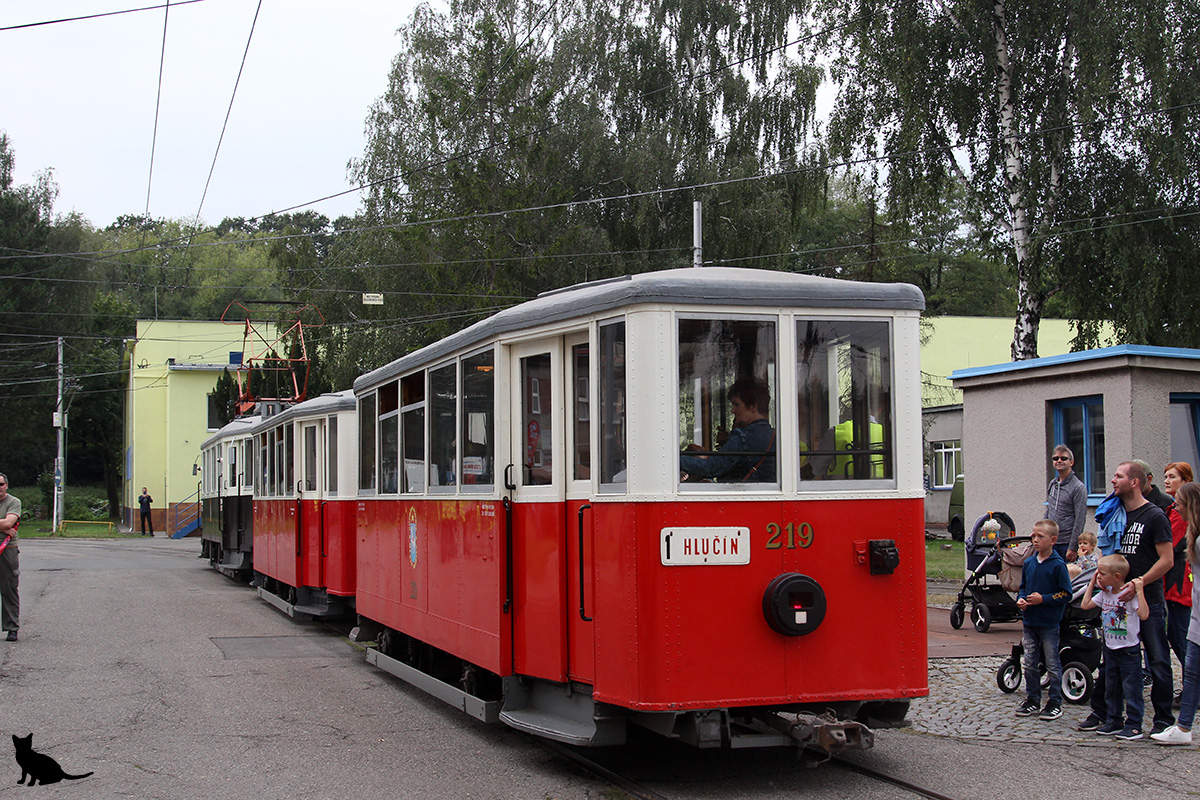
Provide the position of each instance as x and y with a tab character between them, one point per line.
957	616
1008	677
981	616
1076	683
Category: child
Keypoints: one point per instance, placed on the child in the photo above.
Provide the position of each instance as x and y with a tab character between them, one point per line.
1045	592
1087	551
1122	640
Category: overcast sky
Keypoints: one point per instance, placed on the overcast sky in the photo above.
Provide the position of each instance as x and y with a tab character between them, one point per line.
79	97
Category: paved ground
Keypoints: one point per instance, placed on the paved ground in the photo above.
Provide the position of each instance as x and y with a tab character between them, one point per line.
964	700
170	681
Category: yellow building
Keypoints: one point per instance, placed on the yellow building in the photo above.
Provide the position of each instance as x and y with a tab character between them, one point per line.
169	411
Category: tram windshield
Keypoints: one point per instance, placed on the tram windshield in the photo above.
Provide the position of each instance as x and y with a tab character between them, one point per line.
727	379
843	375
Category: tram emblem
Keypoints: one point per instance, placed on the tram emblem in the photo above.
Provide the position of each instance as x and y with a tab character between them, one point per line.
412	537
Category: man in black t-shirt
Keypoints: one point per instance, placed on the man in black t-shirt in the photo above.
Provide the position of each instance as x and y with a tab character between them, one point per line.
1146	544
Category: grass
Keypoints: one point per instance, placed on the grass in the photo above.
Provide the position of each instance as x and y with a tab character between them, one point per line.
944	565
86	512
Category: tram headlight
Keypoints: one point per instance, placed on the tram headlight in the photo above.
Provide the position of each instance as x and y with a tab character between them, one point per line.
794	604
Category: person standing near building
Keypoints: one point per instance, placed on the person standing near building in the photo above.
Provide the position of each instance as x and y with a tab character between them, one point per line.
144	501
1066	502
10	568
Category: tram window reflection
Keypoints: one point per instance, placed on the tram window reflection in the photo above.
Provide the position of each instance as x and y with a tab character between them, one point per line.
844	379
727	424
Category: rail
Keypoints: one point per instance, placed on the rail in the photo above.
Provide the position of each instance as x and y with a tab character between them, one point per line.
186	515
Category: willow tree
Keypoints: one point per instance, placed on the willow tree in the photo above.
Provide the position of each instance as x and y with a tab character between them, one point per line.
1036	110
526	144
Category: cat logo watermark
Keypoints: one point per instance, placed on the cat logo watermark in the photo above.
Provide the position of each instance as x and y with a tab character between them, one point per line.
39	767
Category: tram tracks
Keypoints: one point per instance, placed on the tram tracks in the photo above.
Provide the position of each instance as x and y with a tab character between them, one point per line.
635	790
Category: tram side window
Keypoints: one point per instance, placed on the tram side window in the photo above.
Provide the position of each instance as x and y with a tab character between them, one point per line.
331	455
272	469
233	464
612	404
726	414
261	489
366	443
844	380
412	414
478	421
443	425
389	438
310	458
247	462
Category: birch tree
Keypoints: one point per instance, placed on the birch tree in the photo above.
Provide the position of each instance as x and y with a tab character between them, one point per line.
1032	109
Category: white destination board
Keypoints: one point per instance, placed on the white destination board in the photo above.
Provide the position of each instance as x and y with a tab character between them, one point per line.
685	547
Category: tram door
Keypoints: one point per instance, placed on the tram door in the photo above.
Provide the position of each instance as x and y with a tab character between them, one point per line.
309	523
546	518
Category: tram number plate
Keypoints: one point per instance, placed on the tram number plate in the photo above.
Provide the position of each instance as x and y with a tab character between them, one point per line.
683	547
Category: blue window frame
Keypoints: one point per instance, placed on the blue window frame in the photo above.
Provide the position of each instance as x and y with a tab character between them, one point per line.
1185	428
1079	424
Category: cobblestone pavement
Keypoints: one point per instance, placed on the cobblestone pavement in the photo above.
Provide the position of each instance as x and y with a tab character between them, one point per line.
965	703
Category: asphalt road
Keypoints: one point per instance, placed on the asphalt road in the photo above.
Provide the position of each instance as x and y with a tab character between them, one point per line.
167	680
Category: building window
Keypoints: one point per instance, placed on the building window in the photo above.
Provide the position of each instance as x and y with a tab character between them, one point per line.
214	414
1079	424
947	463
1185	428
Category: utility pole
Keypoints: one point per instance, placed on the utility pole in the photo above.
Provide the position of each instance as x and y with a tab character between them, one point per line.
60	461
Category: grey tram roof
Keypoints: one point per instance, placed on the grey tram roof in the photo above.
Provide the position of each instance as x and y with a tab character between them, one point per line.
724	286
236	427
316	407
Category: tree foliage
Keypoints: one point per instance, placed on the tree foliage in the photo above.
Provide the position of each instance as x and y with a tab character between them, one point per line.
1039	111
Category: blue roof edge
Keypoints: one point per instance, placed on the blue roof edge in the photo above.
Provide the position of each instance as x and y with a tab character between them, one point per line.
1083	355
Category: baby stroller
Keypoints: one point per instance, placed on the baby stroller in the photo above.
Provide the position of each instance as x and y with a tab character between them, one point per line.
991	551
1079	649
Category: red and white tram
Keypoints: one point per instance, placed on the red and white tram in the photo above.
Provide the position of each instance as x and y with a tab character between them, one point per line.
304	528
529	548
227	498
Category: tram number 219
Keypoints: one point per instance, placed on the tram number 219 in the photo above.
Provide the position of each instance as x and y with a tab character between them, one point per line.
796	535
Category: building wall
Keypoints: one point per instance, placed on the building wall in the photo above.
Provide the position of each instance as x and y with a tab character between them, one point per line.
1008	425
173	367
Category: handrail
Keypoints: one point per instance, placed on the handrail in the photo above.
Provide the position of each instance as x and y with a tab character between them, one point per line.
187	511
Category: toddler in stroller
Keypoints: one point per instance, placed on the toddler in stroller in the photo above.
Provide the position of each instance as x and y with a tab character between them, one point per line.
1080	646
992	551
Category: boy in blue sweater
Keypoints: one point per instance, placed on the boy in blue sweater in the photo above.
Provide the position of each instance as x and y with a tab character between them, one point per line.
1045	592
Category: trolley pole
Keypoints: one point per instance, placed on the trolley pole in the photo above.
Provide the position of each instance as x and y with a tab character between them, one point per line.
697	246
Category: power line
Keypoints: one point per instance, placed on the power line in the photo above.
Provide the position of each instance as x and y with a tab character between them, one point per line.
228	111
94	16
162	59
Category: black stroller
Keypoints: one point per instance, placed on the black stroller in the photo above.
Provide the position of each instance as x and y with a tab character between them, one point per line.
1079	649
992	551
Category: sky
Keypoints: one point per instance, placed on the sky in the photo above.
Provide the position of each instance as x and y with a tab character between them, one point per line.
79	97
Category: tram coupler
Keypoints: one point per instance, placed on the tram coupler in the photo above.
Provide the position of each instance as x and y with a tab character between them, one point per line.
825	733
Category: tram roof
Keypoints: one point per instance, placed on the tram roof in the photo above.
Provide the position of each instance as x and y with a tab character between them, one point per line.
316	407
235	427
725	286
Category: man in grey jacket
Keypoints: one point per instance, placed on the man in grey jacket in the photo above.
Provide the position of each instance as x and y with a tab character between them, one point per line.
1066	502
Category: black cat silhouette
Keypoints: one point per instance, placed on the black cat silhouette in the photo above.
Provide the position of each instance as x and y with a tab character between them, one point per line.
37	766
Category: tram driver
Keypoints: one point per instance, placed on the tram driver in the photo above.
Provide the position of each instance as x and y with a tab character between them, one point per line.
749	452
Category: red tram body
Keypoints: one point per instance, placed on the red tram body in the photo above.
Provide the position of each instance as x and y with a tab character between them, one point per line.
531	545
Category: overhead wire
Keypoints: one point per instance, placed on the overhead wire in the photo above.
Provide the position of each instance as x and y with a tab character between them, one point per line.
94	16
228	112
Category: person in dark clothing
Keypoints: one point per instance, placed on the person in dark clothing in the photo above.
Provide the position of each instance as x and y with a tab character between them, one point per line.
144	502
1045	591
752	435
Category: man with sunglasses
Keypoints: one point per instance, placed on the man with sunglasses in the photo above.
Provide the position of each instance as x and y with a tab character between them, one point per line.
10	571
1066	502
